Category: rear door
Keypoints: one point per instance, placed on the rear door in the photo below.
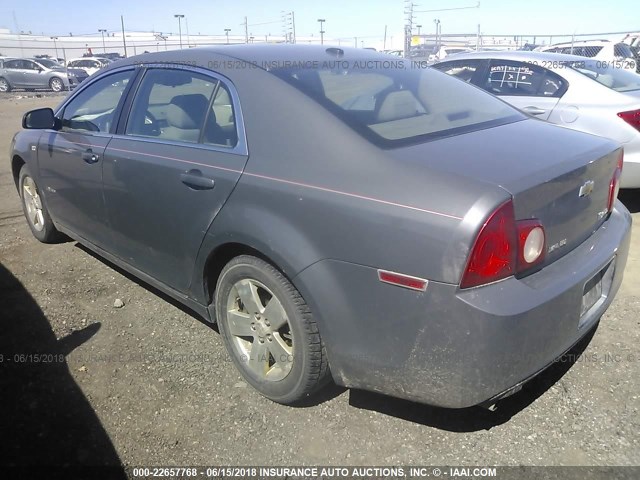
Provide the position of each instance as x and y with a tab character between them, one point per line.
15	73
528	87
177	157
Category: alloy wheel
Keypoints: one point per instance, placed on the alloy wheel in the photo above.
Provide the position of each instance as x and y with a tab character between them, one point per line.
260	330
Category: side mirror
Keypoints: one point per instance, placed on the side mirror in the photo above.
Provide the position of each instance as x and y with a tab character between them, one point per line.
39	119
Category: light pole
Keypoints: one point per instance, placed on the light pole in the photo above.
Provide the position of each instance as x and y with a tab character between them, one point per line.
226	32
179	17
321	21
437	22
103	31
55	45
418	27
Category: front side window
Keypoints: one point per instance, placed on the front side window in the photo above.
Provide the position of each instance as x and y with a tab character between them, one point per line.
400	105
184	106
93	109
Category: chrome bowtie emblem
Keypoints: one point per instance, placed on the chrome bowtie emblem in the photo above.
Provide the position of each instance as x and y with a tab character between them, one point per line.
586	189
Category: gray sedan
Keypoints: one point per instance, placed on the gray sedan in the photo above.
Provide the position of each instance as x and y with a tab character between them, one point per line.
38	73
340	215
589	95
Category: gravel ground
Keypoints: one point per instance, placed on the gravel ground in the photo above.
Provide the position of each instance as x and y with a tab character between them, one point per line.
149	383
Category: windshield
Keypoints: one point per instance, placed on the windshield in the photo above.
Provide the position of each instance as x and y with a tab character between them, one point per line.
609	75
400	105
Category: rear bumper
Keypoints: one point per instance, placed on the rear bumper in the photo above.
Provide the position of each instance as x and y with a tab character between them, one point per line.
456	348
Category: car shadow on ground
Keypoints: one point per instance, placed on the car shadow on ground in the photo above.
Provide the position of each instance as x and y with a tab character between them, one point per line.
474	418
630	199
45	419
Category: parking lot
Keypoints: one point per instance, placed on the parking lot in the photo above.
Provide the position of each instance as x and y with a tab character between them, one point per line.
149	383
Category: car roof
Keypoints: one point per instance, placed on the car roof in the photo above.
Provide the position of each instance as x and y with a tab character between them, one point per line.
517	55
259	54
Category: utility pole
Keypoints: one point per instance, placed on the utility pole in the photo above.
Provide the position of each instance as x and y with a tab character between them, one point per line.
124	41
321	21
103	31
55	45
408	27
179	17
186	22
226	32
246	30
384	42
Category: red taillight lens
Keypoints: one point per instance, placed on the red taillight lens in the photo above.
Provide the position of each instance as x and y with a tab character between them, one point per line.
614	185
493	256
632	118
504	247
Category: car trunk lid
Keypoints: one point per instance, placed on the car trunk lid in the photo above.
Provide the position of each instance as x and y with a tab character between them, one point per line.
556	175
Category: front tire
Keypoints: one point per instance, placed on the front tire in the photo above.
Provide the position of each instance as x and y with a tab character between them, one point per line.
56	84
35	210
269	331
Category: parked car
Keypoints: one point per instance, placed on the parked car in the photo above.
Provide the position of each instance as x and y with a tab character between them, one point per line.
90	64
32	74
633	40
414	235
445	51
615	55
567	90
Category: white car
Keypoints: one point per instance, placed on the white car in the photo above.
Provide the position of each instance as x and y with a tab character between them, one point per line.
617	55
89	64
576	92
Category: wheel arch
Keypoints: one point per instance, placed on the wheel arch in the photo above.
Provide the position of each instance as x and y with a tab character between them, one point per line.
17	162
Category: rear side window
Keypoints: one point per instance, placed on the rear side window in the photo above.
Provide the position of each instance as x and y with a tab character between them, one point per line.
522	79
184	106
397	106
14	64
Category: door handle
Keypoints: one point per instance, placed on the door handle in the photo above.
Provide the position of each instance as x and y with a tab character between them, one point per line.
90	157
534	110
195	180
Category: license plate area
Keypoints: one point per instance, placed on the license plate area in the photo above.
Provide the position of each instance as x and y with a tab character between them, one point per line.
595	292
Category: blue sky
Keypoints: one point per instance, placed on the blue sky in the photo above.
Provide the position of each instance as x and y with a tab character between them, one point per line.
344	18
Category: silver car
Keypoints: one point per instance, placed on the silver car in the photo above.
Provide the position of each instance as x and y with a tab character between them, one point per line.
390	228
588	95
38	73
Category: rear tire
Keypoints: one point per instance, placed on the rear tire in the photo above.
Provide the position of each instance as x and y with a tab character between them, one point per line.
56	84
4	85
35	209
269	331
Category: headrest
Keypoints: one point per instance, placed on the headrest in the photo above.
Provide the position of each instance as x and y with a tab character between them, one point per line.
187	111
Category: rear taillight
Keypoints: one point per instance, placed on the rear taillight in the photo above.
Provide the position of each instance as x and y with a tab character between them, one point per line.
632	118
504	247
614	185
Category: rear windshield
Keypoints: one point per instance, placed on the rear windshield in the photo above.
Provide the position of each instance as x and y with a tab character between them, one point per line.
610	76
397	106
622	50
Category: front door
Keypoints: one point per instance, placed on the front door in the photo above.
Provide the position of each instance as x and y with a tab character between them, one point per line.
71	159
